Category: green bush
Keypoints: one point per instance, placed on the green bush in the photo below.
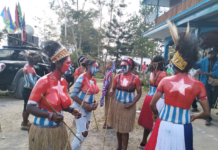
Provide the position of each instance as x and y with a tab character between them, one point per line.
99	76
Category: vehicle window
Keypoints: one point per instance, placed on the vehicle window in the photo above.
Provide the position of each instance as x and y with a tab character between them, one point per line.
17	55
4	54
45	59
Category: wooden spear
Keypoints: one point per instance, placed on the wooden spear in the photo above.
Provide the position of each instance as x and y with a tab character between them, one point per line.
72	123
58	114
96	124
108	114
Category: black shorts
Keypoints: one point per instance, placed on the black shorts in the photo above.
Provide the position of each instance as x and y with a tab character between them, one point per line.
69	79
26	94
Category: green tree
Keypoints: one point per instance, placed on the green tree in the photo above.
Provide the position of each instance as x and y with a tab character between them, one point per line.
119	35
144	47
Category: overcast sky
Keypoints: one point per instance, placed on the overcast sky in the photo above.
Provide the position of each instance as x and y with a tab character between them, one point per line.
41	9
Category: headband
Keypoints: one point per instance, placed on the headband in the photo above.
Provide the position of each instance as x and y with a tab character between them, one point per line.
179	62
81	59
130	61
61	53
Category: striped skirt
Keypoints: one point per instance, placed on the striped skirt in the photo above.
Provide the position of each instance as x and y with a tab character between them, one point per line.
170	136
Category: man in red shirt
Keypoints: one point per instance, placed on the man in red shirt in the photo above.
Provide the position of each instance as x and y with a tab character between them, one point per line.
143	69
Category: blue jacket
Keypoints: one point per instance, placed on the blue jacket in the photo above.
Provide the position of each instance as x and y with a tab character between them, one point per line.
204	66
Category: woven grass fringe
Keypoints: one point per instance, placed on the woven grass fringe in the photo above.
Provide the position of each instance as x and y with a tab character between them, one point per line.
48	138
122	120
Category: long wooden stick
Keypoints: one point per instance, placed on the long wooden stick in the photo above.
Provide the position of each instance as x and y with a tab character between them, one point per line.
215	105
72	123
84	100
96	124
58	115
68	139
108	115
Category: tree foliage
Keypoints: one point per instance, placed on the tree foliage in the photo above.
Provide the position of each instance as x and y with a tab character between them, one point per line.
119	35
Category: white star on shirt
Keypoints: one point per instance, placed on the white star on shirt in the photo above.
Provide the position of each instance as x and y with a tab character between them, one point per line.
59	88
125	82
91	82
179	86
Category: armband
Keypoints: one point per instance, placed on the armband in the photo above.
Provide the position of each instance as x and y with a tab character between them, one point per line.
71	110
159	92
50	116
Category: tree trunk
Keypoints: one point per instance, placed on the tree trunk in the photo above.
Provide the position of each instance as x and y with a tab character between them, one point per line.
141	66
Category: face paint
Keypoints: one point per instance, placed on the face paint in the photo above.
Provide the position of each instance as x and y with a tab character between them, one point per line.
93	70
125	68
66	64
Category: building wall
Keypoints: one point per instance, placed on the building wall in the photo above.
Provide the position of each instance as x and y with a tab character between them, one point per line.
173	3
178	9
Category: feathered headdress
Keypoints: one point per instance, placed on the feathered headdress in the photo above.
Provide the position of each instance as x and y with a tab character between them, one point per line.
177	60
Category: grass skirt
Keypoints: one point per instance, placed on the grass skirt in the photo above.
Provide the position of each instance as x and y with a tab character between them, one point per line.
48	138
122	120
107	102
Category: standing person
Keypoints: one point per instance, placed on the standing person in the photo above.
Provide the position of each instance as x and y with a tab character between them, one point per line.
85	84
48	130
80	70
70	76
145	118
107	87
144	66
209	69
173	128
123	112
30	78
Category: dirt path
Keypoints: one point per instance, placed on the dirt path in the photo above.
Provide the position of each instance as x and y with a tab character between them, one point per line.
12	138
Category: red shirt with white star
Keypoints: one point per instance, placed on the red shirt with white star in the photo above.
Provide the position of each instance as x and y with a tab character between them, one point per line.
55	91
126	79
181	90
79	71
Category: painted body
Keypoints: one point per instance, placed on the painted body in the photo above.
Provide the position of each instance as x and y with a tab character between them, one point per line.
55	91
30	76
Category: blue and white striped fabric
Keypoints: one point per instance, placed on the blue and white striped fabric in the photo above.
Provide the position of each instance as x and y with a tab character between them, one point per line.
125	97
77	91
44	122
152	90
175	114
89	98
77	86
30	80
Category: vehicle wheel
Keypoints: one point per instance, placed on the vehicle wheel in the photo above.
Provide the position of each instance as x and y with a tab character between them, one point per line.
19	88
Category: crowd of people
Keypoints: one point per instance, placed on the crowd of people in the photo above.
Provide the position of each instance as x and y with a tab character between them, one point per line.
165	114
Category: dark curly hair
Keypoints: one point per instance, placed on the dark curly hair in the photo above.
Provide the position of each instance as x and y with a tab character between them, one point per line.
187	47
160	60
49	48
88	62
81	58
